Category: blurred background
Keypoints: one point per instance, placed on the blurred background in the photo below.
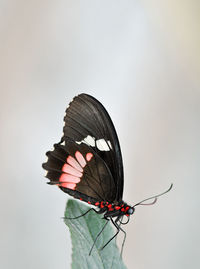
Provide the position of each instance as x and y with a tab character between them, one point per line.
141	59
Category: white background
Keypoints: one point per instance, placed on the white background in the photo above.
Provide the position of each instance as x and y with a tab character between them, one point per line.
141	59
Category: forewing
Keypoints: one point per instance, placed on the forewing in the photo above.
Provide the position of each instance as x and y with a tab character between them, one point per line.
88	122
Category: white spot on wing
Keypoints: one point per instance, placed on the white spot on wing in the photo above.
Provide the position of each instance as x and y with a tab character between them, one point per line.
102	145
109	144
90	140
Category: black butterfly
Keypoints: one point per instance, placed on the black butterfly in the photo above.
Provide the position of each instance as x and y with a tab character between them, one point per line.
87	162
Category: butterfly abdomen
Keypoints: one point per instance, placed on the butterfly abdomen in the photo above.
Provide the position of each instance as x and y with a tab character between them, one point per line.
113	209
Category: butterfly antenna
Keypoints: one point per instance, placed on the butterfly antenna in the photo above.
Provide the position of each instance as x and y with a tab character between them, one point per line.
155	197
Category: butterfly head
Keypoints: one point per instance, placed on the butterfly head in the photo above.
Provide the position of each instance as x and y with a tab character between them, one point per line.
130	211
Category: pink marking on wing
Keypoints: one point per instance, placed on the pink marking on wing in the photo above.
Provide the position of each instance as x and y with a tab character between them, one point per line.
89	156
71	170
69	178
71	186
80	159
73	162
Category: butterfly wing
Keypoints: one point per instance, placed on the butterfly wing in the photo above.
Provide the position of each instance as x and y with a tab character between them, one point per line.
87	121
87	163
79	171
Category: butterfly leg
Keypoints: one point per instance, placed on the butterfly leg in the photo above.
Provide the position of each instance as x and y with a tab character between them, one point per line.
98	212
124	237
118	229
98	237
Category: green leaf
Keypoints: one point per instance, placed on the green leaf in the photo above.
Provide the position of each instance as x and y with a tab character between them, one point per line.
83	233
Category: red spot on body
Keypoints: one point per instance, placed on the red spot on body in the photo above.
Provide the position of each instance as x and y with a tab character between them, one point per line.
122	209
117	207
102	205
89	156
89	202
81	199
110	205
111	209
127	215
97	203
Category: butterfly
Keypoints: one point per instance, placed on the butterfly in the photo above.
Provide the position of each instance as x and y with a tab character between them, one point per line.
87	163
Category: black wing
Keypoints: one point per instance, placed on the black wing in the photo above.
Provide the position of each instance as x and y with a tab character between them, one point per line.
87	121
87	163
79	171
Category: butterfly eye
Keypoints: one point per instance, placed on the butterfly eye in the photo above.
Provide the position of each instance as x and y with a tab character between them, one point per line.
131	210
